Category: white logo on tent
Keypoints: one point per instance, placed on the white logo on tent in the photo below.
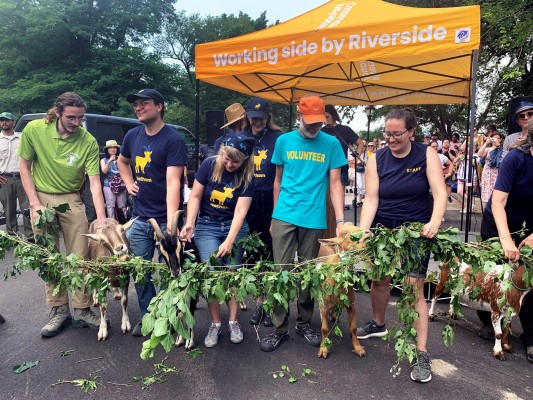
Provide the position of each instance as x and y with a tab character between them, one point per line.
463	35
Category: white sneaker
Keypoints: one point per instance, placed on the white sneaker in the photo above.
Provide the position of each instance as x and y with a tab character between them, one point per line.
211	340
235	332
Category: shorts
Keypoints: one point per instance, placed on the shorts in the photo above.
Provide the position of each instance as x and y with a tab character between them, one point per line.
420	272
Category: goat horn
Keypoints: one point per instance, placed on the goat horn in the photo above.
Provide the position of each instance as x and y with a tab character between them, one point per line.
157	229
175	219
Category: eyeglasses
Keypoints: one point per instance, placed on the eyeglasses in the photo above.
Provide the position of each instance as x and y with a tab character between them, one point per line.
141	104
5	119
76	119
525	115
396	135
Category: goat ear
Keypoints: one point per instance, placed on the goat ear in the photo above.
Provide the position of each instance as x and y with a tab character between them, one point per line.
94	236
332	243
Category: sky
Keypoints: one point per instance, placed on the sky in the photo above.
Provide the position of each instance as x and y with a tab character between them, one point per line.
281	10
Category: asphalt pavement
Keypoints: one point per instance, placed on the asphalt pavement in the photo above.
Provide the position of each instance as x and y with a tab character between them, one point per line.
466	370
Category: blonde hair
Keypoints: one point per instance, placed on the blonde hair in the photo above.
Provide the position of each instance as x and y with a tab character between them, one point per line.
243	176
526	140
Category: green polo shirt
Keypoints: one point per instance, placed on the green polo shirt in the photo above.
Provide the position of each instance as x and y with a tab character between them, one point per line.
59	164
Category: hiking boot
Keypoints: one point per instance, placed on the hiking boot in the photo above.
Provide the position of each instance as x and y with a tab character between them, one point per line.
529	353
235	332
257	316
422	368
137	330
85	318
211	340
268	320
312	337
371	329
272	341
59	319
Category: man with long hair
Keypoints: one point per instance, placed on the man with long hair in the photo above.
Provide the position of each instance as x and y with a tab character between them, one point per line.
55	153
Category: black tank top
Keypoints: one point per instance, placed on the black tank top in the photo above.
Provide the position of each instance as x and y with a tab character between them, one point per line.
403	186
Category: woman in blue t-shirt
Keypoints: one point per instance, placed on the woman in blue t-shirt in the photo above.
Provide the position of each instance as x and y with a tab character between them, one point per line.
398	179
509	211
221	195
260	126
109	167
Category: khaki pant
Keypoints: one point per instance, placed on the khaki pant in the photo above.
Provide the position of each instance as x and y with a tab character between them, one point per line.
72	224
9	193
286	240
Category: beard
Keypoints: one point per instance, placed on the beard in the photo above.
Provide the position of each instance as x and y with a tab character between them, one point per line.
306	133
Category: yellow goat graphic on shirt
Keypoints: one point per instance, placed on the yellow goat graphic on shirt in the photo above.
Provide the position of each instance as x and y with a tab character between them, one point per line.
260	157
140	162
221	197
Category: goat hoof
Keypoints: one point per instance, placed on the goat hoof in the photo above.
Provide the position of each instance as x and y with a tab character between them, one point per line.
189	345
432	317
126	327
360	351
180	341
323	352
243	305
508	348
500	356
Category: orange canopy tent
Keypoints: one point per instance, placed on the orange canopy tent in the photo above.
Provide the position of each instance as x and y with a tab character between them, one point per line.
352	53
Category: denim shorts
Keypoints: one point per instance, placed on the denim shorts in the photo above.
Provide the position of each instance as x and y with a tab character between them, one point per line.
210	233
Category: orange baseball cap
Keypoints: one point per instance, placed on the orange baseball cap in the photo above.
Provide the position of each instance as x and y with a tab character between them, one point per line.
312	109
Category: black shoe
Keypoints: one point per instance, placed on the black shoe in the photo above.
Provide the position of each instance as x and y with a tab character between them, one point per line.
312	337
272	341
346	207
137	330
450	200
529	353
257	316
268	320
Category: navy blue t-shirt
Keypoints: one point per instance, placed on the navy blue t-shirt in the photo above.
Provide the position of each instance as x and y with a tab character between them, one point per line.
150	156
516	178
403	185
219	199
264	170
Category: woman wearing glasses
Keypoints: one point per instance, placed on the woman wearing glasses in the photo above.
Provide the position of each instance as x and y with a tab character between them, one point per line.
398	179
523	114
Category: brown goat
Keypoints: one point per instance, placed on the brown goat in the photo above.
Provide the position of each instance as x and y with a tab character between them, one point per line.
329	249
490	290
106	242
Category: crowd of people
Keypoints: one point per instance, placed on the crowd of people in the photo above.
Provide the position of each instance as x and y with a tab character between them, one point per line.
265	181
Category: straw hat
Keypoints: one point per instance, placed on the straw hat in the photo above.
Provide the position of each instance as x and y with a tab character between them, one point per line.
111	143
234	113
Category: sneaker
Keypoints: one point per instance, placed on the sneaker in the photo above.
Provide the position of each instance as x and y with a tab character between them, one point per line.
450	200
346	207
529	353
371	329
272	341
235	332
422	369
257	316
85	318
137	330
211	340
268	320
312	337
59	319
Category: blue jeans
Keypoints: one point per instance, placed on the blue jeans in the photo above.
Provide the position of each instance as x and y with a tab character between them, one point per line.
142	244
209	235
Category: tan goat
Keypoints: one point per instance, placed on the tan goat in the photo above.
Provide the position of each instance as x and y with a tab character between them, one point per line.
329	248
106	242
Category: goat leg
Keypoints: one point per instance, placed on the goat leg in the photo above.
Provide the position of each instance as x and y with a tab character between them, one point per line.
497	350
323	350
357	348
102	332
126	325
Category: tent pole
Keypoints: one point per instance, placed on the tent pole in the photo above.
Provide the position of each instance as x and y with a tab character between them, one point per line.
472	122
197	125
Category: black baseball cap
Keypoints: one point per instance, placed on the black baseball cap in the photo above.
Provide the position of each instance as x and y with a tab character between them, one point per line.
146	94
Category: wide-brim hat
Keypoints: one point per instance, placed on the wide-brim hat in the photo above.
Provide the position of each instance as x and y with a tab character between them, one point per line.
234	113
111	143
523	106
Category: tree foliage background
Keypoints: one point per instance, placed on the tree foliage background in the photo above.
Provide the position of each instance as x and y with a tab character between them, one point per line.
104	49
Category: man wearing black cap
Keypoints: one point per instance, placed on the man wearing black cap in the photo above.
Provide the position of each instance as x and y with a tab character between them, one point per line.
159	155
10	184
523	114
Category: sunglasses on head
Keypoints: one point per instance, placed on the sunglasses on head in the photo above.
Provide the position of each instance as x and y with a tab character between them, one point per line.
527	114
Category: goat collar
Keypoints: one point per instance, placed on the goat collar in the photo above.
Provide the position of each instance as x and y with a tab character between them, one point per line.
514	284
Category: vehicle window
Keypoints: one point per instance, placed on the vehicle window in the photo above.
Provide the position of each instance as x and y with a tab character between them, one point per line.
108	131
